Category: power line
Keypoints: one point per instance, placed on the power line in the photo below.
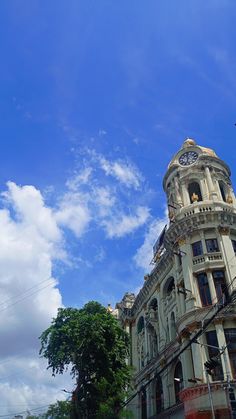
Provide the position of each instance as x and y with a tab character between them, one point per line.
25	297
23	292
25	411
191	341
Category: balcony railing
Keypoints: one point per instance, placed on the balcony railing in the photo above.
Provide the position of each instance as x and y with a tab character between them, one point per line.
207	257
203	207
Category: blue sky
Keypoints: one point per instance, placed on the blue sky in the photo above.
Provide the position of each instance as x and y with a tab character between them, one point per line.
96	97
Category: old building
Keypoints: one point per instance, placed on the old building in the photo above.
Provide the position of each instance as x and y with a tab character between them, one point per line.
182	324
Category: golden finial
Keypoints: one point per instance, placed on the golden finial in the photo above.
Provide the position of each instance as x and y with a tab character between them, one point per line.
189	142
229	199
109	308
194	197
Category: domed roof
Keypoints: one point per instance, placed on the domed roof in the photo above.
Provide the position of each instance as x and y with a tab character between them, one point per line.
189	142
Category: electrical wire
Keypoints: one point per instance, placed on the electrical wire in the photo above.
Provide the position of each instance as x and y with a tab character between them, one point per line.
23	292
191	341
25	411
27	296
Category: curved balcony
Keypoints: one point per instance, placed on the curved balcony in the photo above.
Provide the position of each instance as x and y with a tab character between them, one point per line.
212	259
199	215
203	207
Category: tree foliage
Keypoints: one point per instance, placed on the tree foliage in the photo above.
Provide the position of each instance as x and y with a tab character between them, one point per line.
59	410
91	343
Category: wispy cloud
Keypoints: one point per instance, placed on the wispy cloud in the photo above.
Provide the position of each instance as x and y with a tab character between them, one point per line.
123	171
73	213
95	198
144	254
123	224
79	178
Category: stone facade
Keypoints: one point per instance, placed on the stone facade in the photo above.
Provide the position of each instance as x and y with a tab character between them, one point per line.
193	276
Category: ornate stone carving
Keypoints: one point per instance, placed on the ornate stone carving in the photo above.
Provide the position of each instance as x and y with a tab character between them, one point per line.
181	241
225	231
229	199
162	362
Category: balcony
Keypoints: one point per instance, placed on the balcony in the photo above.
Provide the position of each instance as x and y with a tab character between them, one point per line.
207	260
203	207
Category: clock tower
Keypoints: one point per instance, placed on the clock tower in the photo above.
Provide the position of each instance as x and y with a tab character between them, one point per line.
196	174
182	323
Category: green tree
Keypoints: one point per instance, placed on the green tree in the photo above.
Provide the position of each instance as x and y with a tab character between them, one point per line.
59	410
91	343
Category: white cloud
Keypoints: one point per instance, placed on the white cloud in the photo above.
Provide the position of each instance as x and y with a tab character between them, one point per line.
28	204
144	254
73	213
93	199
30	241
25	384
123	171
122	224
104	201
79	179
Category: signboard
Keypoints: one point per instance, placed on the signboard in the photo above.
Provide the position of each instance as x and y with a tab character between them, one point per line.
159	245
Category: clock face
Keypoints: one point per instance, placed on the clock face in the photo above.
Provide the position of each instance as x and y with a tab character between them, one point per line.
188	158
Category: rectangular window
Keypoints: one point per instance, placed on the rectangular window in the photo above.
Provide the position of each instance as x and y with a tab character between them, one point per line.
212	245
230	337
211	338
197	248
204	289
234	245
220	286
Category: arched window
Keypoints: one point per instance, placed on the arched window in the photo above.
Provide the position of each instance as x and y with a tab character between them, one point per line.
152	309
172	326
140	325
159	396
153	304
178	380
143	399
194	191
169	286
152	337
222	190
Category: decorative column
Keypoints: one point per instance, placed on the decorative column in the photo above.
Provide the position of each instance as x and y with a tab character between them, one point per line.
162	319
222	343
227	250
187	273
199	357
166	389
202	235
231	192
178	296
212	192
149	399
211	286
185	194
177	191
187	361
146	356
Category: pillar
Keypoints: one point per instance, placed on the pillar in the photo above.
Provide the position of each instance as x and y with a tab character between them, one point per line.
211	188
177	191
187	362
222	344
185	194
